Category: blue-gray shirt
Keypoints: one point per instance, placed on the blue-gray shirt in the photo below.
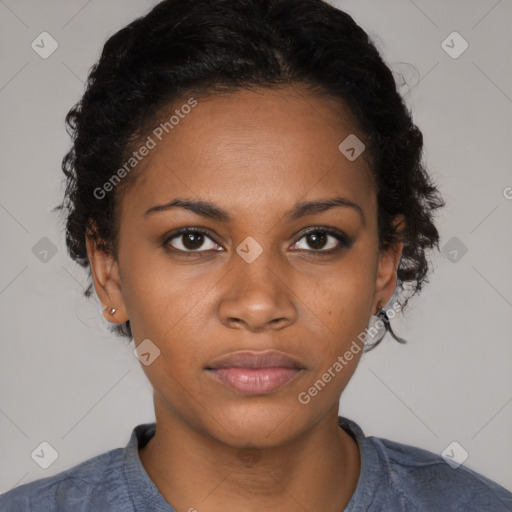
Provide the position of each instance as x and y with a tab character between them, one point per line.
394	477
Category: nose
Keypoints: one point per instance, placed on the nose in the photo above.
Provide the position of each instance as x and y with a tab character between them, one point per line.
257	297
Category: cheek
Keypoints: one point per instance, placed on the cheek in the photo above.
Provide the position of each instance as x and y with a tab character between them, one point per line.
158	293
342	309
341	296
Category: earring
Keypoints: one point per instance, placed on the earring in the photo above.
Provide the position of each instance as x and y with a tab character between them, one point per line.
377	328
383	318
112	310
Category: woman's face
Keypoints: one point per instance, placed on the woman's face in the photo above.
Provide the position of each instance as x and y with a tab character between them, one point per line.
256	281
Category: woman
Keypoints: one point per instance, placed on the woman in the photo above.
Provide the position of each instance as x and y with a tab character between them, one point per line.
246	189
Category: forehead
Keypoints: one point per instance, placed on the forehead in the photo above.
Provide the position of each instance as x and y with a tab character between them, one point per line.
252	149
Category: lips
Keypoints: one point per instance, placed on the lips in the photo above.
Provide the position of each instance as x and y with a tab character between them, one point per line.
250	359
254	373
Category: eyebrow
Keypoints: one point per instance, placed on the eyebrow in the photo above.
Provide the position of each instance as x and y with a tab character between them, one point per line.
211	211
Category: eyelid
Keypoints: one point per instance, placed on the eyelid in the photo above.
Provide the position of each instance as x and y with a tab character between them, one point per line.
327	229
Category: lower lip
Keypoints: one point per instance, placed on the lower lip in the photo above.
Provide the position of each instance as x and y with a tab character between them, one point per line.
254	381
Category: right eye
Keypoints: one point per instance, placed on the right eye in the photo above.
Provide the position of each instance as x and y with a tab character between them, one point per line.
190	240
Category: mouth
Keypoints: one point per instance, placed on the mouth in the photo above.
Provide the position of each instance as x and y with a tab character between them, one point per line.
254	373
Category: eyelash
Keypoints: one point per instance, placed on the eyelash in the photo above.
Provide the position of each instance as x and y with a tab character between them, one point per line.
344	241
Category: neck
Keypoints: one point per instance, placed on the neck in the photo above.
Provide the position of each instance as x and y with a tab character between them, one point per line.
318	470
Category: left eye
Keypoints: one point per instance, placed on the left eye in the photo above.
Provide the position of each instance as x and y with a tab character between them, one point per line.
317	239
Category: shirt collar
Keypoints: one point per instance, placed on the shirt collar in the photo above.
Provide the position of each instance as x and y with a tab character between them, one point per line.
144	493
370	474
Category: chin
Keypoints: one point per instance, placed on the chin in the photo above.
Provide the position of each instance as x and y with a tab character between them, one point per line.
259	423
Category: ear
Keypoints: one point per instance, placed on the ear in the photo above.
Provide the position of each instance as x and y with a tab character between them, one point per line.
107	282
389	260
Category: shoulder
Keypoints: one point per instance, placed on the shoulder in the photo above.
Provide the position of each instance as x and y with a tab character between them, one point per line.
81	488
421	476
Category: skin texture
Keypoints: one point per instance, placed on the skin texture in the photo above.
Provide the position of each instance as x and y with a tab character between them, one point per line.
254	154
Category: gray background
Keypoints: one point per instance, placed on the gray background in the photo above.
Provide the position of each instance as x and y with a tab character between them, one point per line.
66	380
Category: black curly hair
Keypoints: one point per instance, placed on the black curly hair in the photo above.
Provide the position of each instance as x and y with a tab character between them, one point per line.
184	48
